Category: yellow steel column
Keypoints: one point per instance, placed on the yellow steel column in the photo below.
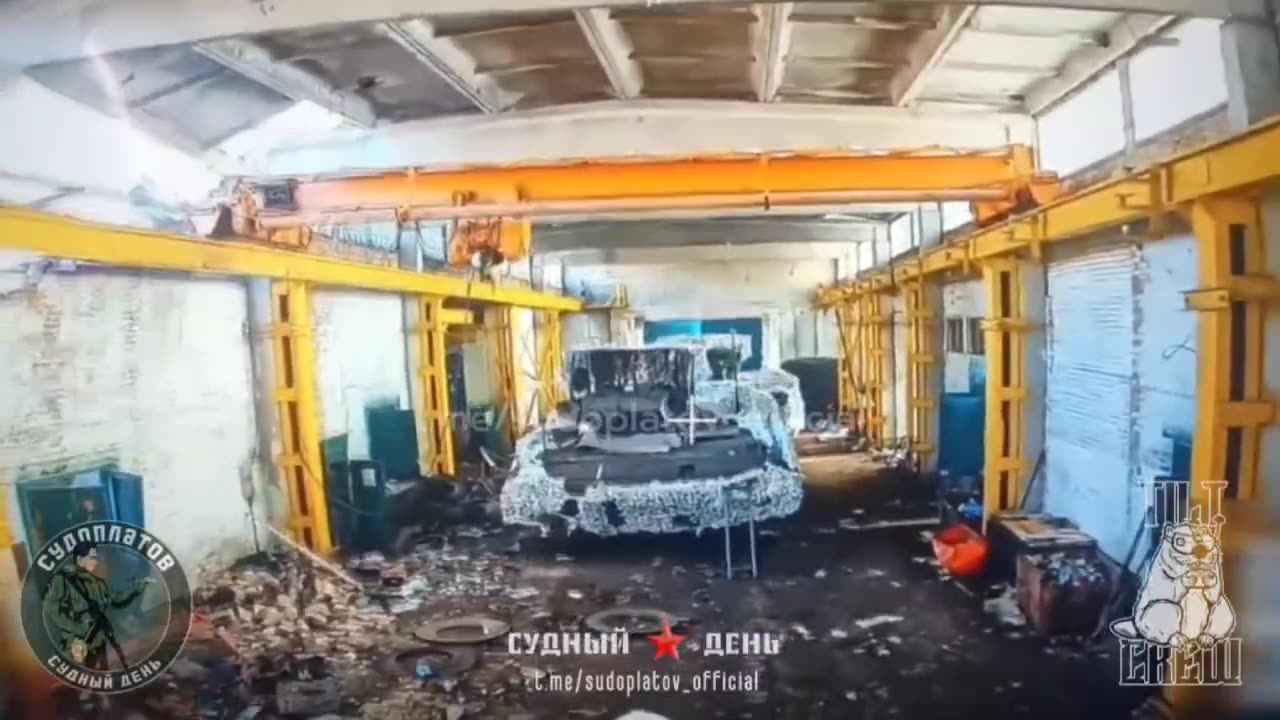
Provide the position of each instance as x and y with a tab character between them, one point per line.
502	353
850	367
879	359
298	405
436	448
6	530
550	364
1004	466
922	357
1232	404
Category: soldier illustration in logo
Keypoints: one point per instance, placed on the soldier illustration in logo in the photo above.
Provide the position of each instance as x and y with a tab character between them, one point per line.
76	606
88	614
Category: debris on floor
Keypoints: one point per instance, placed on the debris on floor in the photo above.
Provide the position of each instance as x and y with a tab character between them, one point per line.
423	632
871	622
1004	609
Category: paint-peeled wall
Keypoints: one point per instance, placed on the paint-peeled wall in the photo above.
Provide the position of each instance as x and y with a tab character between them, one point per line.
361	361
1121	359
149	372
798	333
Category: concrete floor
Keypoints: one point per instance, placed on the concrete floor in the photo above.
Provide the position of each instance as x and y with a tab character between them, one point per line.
931	653
943	659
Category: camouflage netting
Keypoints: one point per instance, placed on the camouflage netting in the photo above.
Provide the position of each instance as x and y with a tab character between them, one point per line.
533	497
780	381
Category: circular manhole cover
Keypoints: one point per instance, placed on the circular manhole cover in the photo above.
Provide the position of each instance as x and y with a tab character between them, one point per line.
445	662
468	630
632	620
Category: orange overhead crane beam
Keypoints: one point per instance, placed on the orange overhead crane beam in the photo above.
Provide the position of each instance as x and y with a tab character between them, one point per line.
997	182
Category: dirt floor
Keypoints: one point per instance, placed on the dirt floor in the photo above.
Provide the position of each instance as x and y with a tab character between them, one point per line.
856	552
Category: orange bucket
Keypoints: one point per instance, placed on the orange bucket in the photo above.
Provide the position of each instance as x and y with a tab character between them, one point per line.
961	550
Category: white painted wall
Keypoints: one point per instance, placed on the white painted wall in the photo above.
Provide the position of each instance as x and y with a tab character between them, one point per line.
50	140
964	299
150	371
1172	83
360	360
798	332
1084	128
711	289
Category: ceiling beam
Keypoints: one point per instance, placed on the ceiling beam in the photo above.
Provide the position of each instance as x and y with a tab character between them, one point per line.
647	127
256	63
54	31
833	94
772	41
861	22
447	59
609	41
1123	39
1000	68
693	58
666	234
842	62
927	51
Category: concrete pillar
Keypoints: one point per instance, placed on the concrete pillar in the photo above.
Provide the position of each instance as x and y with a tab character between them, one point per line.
271	500
1251	53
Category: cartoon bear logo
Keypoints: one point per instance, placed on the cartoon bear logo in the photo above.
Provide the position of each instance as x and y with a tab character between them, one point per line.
1181	604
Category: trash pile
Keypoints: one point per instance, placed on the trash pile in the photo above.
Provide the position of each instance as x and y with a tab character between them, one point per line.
292	635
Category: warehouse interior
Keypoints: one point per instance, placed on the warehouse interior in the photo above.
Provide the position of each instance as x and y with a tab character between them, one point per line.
302	290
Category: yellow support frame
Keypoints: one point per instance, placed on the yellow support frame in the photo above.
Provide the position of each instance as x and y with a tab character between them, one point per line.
1233	403
922	346
1005	331
850	365
298	408
61	237
436	442
1238	163
502	351
878	340
550	364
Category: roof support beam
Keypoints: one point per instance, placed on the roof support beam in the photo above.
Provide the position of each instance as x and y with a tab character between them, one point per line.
255	62
55	31
447	59
1001	68
608	39
646	128
1123	39
772	41
907	84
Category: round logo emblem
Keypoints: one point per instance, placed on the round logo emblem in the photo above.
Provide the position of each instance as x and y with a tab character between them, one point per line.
106	607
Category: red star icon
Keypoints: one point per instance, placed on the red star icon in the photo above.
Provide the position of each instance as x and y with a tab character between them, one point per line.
668	643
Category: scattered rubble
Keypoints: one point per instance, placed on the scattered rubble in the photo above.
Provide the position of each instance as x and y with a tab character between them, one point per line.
871	622
1004	610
